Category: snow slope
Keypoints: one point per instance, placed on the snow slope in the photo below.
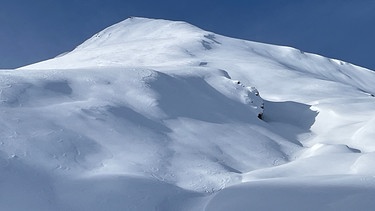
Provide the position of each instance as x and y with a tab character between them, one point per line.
161	115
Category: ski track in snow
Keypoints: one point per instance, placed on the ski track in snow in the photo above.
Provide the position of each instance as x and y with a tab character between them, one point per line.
161	115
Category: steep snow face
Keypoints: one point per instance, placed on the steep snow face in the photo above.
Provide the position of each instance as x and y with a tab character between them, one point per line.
154	114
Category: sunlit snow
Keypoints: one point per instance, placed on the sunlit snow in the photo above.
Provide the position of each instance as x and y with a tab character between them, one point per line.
161	115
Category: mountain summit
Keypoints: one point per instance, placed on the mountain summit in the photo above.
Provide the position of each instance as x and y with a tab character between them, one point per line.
161	115
137	42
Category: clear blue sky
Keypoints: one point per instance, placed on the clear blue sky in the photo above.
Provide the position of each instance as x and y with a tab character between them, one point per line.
32	31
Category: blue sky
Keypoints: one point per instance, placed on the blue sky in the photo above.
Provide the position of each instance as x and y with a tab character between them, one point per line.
33	31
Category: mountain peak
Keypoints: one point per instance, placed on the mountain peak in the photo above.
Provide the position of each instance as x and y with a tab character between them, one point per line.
155	43
135	42
136	29
165	114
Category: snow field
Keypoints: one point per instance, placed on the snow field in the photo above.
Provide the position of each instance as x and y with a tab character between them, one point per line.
161	115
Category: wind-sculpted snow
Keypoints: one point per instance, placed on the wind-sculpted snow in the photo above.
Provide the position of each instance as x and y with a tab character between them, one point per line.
104	123
160	115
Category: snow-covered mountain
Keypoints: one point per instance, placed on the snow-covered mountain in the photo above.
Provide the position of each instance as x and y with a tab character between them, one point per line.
161	115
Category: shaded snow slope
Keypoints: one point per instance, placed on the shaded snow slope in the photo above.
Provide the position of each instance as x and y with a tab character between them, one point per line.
154	114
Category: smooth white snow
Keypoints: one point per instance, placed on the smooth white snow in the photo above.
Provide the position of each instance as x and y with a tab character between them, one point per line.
161	115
